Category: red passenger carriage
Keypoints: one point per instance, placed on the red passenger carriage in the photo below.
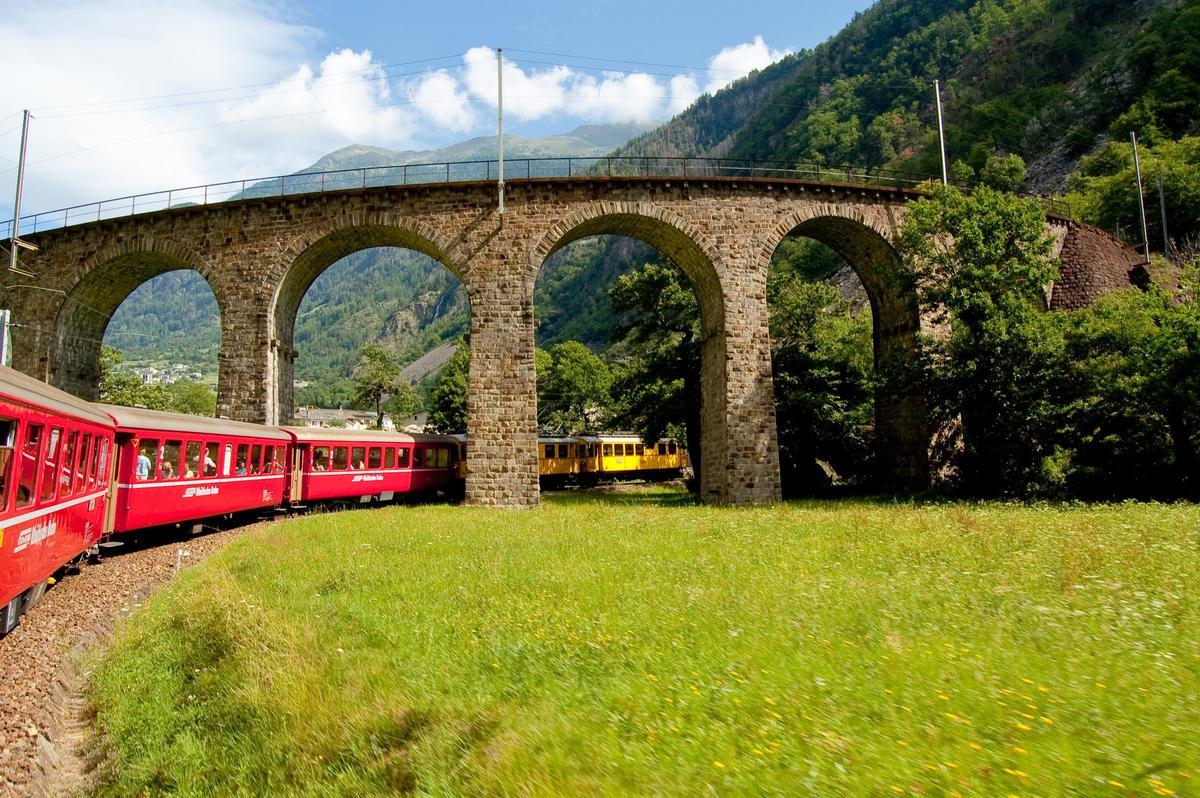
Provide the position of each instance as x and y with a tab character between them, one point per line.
364	464
54	455
179	469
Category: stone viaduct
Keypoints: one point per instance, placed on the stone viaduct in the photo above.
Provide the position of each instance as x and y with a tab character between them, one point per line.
260	255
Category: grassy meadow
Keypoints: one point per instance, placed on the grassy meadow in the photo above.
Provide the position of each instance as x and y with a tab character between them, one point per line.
631	643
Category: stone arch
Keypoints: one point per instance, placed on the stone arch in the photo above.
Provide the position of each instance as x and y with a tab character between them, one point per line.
697	254
307	256
865	241
98	287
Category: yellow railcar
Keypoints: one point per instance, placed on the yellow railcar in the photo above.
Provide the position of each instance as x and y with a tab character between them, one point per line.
624	456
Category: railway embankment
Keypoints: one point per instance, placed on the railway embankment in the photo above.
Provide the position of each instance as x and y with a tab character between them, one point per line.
44	714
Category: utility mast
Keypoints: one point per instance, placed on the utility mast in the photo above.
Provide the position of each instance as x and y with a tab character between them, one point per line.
500	122
937	91
1137	168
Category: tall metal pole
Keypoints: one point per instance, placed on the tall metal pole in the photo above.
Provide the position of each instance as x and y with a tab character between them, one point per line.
1162	207
4	337
12	245
937	90
500	120
1137	168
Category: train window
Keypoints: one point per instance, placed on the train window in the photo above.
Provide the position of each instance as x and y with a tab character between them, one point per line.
211	451
68	462
8	435
147	460
357	456
243	454
608	450
641	450
389	458
662	448
673	447
81	469
254	466
549	451
563	451
277	455
340	457
227	460
320	458
581	450
268	460
374	457
443	455
98	473
191	464
30	455
402	458
418	457
629	450
169	467
50	465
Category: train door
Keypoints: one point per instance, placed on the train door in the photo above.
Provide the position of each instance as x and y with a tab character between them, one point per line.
299	456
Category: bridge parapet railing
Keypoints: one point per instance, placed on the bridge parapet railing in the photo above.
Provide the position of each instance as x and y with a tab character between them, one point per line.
416	174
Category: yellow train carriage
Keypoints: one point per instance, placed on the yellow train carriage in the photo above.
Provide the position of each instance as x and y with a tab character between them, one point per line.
628	457
562	461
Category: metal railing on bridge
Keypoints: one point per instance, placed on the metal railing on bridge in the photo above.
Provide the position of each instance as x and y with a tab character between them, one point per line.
421	174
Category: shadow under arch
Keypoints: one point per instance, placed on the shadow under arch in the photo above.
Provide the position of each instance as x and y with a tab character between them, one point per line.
86	310
308	258
700	260
901	423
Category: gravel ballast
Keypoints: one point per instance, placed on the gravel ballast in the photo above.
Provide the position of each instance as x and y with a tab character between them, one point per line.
42	711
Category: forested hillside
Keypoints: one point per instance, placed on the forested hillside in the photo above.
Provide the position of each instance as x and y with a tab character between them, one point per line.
1049	80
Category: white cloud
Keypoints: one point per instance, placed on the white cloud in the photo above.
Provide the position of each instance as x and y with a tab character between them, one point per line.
738	61
236	92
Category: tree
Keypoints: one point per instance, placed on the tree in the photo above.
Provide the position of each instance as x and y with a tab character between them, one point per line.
123	388
984	260
448	412
376	377
822	356
572	383
194	398
401	405
656	383
1003	172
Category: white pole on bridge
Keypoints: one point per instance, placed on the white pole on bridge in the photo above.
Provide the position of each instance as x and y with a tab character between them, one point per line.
1137	168
937	91
500	120
13	241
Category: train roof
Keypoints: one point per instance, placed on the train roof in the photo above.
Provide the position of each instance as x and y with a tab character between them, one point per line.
620	437
544	439
35	392
318	434
162	421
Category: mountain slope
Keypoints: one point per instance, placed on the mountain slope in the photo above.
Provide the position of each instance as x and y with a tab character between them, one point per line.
1047	79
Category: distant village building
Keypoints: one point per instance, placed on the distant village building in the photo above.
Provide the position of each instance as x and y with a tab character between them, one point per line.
331	417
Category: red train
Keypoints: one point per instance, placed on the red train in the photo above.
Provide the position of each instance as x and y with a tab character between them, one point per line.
73	473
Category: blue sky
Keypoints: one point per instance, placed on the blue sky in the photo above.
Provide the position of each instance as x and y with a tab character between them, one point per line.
131	96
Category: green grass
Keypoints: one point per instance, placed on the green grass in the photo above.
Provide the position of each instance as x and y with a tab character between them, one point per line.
635	644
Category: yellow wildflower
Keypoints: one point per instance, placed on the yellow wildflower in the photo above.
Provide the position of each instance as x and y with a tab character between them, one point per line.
718	763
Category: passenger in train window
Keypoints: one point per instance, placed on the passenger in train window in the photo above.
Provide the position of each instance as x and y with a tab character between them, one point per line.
241	468
210	459
358	453
255	464
320	458
341	458
171	452
147	455
8	432
192	466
